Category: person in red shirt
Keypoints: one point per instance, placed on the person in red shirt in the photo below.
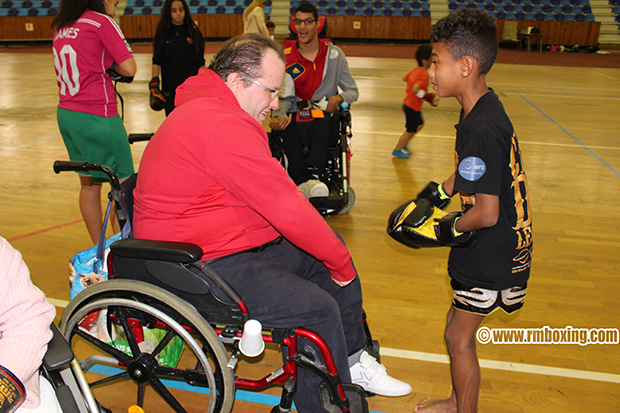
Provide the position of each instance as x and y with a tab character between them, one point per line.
207	177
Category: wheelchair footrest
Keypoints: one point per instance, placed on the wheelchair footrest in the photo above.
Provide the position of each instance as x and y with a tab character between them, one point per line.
355	396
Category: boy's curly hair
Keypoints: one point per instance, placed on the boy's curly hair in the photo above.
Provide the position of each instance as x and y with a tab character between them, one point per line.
468	32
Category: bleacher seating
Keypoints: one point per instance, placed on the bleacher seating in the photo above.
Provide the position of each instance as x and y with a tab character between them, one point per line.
550	10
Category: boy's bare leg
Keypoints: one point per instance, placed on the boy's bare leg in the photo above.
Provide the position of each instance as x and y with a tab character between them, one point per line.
402	141
406	137
460	338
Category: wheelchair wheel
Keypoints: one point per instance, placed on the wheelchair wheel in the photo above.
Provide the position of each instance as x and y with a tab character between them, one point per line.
152	349
347	208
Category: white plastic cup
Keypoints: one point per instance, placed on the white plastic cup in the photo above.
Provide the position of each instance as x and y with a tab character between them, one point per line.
252	343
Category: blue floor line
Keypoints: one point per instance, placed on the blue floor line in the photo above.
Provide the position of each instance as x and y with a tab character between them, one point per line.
601	160
243	395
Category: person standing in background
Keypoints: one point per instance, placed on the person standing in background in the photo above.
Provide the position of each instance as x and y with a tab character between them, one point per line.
178	50
88	45
254	18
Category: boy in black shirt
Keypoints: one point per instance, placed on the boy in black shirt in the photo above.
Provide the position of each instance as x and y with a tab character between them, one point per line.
493	270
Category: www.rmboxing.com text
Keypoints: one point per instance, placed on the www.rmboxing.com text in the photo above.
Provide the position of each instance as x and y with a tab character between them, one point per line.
548	335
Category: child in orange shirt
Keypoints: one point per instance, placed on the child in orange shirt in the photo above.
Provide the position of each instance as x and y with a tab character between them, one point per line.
417	83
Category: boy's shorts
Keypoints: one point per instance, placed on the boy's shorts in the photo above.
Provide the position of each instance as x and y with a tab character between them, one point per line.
414	119
482	301
96	139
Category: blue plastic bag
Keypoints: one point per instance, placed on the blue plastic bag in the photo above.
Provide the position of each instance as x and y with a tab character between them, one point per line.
87	269
90	266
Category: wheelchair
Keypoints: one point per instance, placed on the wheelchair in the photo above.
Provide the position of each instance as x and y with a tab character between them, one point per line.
163	287
337	172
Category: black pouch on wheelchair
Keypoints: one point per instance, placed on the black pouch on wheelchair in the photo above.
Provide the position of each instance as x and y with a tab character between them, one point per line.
13	391
355	396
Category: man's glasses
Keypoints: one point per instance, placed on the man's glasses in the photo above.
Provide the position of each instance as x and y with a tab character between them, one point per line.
273	93
307	22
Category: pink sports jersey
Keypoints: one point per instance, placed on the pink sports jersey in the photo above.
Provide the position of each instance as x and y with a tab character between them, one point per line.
83	51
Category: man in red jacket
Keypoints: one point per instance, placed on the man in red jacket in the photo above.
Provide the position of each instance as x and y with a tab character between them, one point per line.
207	177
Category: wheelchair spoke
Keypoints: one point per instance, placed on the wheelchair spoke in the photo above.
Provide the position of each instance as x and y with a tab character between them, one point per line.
129	334
190	376
163	392
109	379
140	401
113	351
170	334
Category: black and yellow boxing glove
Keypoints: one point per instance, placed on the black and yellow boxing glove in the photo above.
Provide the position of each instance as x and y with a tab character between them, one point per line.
448	236
413	224
435	193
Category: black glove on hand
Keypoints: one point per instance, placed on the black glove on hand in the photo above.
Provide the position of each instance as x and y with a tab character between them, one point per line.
448	236
156	98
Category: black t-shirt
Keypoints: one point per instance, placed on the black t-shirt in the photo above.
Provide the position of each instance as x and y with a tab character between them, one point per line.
488	161
177	57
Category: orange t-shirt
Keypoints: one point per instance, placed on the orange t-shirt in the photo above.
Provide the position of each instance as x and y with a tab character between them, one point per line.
419	76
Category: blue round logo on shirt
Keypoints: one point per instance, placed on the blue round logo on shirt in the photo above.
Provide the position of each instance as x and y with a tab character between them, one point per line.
472	168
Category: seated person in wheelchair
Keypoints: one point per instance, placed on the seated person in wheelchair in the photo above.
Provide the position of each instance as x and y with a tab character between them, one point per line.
315	70
25	318
207	177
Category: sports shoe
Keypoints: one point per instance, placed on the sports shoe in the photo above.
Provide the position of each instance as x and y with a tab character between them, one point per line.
400	154
406	150
372	376
313	188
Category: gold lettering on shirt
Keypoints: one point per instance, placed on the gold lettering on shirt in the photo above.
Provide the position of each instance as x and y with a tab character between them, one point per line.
523	207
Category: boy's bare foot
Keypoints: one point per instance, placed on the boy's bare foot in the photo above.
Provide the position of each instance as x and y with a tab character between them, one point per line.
435	406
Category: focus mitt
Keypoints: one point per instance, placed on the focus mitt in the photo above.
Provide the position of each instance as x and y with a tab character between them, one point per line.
412	224
156	98
13	391
419	224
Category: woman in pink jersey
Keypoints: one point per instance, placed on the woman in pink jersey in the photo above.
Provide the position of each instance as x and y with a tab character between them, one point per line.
86	43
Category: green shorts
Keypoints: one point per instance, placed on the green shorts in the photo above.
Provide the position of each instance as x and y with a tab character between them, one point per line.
96	139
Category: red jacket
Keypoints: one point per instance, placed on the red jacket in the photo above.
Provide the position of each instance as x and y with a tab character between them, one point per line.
207	177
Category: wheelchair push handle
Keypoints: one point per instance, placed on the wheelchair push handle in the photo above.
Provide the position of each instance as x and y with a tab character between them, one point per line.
139	137
62	166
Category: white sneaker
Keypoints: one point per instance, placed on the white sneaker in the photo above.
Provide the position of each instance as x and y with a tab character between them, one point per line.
372	376
313	188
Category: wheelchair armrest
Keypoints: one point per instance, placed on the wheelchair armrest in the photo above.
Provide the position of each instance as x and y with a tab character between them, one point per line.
184	252
59	352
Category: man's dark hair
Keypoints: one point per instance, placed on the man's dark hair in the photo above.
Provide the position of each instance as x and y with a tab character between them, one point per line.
270	24
244	55
423	52
468	32
308	8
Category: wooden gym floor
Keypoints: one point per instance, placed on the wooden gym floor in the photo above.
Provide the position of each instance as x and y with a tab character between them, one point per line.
567	120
